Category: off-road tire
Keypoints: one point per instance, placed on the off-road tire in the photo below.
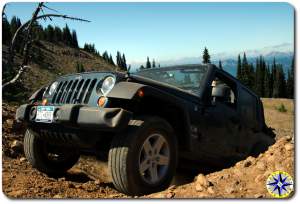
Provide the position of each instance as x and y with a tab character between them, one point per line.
35	152
123	159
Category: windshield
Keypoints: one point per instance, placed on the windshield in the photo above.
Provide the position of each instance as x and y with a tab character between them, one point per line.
188	79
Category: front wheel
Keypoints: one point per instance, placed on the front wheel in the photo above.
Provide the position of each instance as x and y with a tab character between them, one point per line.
143	160
49	159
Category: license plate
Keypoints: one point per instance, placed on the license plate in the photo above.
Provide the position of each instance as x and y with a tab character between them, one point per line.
44	114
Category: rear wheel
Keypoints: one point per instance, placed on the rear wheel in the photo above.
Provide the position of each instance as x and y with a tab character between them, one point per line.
48	158
144	159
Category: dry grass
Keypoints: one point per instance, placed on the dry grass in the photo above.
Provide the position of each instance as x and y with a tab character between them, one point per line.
282	122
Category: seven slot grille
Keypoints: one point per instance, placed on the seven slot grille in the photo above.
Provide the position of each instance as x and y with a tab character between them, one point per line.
74	91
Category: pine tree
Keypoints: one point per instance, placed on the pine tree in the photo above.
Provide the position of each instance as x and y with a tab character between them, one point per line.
245	71
67	37
153	63
124	64
279	90
220	64
206	56
111	61
120	62
49	33
267	91
74	39
239	68
6	31
290	81
90	48
148	63
15	23
261	76
38	31
251	77
105	56
142	67
57	34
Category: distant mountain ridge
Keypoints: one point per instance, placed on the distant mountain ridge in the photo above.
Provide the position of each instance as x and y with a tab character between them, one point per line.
283	54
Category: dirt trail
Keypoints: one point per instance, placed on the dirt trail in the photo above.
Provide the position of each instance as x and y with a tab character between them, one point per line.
89	178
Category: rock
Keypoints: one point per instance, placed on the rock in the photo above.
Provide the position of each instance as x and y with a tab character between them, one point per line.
61	179
279	167
97	182
57	196
51	179
270	159
16	145
259	178
78	186
258	195
288	138
46	189
16	193
289	147
230	189
237	172
201	180
267	174
225	176
170	195
71	185
202	195
9	123
159	195
247	163
15	149
210	190
172	187
199	188
22	159
261	166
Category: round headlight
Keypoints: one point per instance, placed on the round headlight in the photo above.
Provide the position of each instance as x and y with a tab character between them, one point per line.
52	88
107	85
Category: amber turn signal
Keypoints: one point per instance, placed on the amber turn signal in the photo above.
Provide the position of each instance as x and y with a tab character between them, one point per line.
102	101
140	93
44	102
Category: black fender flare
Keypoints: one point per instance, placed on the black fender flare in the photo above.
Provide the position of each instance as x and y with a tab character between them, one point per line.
128	90
38	94
125	90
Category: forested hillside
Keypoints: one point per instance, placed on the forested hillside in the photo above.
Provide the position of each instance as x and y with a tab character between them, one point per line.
54	51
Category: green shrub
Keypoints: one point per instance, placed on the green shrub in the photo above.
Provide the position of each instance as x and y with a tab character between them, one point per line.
281	108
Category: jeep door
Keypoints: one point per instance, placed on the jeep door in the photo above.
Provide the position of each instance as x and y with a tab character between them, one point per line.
219	125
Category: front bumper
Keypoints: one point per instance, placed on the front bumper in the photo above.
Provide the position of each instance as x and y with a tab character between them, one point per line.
79	116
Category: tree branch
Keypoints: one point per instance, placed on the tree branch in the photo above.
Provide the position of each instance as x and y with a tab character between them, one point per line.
13	80
28	26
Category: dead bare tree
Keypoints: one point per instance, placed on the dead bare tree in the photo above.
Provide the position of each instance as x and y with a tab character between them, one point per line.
27	28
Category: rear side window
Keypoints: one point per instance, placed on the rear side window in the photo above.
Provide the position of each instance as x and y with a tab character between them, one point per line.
247	108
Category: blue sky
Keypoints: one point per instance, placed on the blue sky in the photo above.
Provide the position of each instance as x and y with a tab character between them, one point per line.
167	31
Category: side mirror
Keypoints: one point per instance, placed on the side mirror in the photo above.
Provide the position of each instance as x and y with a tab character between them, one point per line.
220	93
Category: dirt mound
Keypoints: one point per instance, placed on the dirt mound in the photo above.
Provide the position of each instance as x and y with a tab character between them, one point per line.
247	179
13	132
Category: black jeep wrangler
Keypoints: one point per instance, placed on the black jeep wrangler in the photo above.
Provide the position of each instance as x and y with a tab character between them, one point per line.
145	122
